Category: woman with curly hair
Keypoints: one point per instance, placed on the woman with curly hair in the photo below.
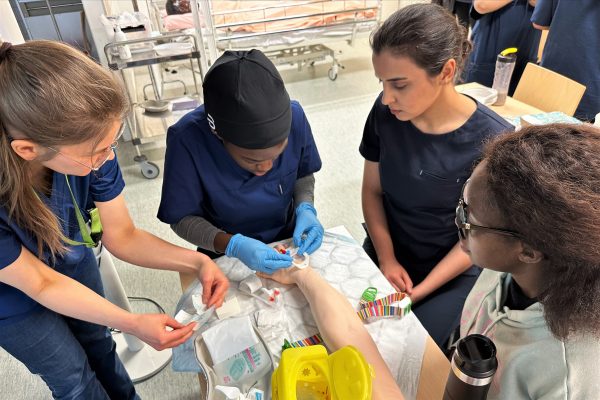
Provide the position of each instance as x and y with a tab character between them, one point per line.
529	216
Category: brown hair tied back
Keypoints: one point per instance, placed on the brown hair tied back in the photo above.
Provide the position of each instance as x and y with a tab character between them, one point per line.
54	95
426	33
4	47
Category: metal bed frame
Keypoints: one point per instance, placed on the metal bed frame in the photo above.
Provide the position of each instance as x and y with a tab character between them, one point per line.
217	37
148	58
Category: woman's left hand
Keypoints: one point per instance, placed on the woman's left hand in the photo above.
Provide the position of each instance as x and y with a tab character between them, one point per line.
417	294
214	284
287	276
308	233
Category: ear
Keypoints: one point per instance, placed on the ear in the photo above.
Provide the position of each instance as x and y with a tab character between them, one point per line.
448	71
529	255
26	149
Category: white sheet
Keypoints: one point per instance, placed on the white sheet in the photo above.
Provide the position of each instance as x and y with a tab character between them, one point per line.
345	265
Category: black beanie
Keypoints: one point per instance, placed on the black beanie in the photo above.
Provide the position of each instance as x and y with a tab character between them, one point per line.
245	100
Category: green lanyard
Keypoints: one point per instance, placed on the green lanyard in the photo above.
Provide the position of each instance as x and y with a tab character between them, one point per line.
91	237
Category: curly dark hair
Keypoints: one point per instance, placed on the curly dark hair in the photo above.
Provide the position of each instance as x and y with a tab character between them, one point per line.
545	182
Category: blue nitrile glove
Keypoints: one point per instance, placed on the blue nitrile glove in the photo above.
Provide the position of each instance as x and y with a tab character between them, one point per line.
308	233
257	255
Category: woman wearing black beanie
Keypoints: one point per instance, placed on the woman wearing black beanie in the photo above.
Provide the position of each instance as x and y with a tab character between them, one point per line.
239	169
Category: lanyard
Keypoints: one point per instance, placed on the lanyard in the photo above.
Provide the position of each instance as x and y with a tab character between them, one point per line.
91	237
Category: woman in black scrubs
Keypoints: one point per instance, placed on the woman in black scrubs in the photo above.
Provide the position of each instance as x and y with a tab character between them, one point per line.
420	143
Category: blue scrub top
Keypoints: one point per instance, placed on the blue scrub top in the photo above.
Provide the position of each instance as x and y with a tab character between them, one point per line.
573	46
507	27
202	179
421	178
104	185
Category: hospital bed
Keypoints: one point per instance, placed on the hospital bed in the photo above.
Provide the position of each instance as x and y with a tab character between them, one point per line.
288	32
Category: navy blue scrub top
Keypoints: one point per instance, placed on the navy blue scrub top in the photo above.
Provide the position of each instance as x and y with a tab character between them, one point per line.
573	46
104	185
202	179
509	26
421	178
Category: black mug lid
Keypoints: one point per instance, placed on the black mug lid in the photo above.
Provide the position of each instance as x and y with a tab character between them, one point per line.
475	356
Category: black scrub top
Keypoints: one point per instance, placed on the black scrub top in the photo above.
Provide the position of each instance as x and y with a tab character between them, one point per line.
421	178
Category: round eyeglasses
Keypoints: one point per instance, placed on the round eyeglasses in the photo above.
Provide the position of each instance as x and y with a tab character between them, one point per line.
104	154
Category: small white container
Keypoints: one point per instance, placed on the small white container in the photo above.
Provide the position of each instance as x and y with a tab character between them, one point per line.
124	51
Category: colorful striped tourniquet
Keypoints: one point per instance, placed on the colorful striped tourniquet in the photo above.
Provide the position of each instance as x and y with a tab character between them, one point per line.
383	307
310	341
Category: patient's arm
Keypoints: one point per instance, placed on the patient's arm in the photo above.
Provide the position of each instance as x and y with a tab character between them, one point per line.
340	326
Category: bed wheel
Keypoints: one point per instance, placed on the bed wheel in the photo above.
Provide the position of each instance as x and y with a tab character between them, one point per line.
333	73
149	170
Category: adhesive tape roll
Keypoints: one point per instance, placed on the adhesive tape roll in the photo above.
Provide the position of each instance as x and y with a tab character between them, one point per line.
250	284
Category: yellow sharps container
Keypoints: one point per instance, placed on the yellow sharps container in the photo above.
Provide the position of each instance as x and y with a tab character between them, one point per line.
309	373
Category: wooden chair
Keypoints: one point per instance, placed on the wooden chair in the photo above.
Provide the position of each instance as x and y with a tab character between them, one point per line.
548	90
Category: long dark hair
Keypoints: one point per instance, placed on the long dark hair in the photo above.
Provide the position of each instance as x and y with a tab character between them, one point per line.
545	181
427	33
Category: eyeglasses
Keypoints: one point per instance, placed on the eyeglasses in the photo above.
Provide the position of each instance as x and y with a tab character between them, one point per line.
105	154
464	226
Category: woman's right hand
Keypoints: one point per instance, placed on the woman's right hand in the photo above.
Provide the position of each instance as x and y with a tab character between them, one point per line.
152	329
396	275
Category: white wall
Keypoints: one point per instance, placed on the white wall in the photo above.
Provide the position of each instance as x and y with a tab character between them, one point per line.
9	29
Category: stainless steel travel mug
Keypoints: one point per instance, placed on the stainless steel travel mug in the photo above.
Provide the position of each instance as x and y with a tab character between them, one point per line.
472	369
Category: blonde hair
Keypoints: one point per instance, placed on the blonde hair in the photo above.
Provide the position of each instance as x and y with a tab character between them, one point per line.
53	95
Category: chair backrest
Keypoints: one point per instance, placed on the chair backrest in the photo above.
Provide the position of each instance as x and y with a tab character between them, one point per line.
548	90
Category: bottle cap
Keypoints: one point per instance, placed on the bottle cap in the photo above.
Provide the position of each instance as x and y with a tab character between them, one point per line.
475	356
508	55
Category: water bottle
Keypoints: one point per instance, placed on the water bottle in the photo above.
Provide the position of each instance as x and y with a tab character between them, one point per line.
505	65
472	369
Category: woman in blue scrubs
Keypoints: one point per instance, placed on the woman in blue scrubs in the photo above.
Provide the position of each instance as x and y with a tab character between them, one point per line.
572	47
420	142
60	121
501	24
239	169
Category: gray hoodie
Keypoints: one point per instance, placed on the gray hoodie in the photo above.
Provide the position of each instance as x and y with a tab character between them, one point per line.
532	363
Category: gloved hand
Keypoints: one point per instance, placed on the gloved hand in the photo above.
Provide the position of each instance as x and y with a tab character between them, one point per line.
308	233
257	255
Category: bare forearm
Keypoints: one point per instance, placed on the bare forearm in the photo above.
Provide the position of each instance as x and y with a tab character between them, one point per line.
142	248
374	213
68	297
453	264
221	241
488	6
337	318
340	326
